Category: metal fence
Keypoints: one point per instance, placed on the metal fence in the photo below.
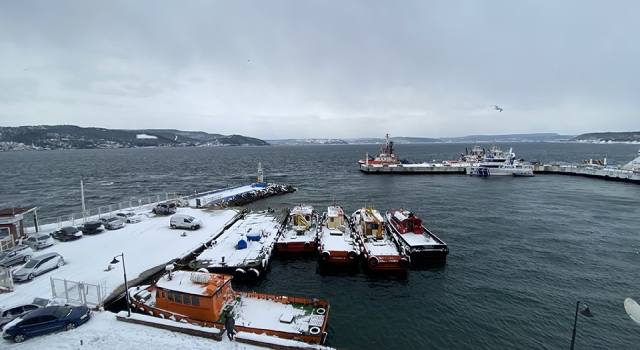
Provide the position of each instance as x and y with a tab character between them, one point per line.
79	293
103	211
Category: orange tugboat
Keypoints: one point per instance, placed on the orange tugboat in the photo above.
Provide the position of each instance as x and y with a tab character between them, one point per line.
206	298
381	250
300	233
336	241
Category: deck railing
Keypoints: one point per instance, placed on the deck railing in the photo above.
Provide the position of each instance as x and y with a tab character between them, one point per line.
73	219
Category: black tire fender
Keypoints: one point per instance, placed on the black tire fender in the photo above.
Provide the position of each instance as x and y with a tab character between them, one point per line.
373	261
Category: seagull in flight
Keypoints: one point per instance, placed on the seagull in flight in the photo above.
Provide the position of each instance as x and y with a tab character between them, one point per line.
248	60
496	108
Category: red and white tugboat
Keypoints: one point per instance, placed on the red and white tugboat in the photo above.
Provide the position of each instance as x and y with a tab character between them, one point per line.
336	242
381	250
417	240
300	233
386	156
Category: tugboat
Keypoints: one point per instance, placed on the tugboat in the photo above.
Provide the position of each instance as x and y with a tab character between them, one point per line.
205	299
415	237
300	233
336	241
381	250
245	248
386	156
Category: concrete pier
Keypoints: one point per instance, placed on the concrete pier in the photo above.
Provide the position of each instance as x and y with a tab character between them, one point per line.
589	170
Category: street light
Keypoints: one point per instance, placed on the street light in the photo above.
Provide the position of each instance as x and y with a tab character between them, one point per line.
586	312
126	285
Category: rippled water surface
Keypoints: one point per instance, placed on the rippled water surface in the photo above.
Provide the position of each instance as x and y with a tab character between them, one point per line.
522	249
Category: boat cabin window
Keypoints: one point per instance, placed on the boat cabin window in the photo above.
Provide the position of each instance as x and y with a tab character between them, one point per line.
170	296
187	300
330	219
195	301
178	298
410	225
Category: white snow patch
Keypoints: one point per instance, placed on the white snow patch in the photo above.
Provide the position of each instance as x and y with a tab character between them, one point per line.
145	136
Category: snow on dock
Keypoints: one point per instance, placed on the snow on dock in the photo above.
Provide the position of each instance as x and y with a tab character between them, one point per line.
217	196
147	244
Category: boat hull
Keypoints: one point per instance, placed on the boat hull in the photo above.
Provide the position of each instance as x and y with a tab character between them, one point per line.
296	247
338	257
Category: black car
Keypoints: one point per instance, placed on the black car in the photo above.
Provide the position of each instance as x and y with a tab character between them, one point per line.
46	320
66	233
91	227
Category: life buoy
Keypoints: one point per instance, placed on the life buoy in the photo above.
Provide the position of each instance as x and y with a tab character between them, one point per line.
352	255
321	311
314	330
404	262
373	261
194	264
325	255
307	245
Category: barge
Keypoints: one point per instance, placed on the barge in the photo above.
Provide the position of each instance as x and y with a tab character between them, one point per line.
300	233
417	240
336	241
206	299
244	249
381	250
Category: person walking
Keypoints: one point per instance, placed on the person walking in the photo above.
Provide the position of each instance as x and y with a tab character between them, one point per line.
229	322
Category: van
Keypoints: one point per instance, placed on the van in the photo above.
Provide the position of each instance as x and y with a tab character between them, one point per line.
185	221
165	208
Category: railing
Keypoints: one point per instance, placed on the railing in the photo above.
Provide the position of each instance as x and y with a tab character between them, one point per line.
74	219
79	293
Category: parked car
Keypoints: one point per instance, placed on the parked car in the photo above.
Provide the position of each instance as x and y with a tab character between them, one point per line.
39	241
112	223
46	320
128	217
17	254
37	266
91	227
8	314
66	233
185	221
165	208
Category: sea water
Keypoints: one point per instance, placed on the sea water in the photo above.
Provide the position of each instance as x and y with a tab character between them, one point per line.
522	250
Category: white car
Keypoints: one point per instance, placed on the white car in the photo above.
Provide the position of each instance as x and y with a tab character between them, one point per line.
37	266
39	241
128	217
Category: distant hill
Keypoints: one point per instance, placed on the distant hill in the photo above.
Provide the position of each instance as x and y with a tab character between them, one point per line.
539	137
308	142
75	137
631	136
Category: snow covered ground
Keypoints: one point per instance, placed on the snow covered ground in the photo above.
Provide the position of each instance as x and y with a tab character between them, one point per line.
145	245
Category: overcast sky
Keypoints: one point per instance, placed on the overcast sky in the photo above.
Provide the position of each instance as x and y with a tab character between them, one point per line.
326	69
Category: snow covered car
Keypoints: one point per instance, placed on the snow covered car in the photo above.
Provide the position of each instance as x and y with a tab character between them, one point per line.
46	320
91	227
39	241
37	266
18	254
8	314
66	233
128	217
112	223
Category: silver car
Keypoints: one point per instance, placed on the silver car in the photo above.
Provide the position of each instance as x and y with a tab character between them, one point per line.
7	314
37	266
128	217
112	223
18	254
39	241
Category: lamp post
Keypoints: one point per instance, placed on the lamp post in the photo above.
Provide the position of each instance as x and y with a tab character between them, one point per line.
586	312
126	285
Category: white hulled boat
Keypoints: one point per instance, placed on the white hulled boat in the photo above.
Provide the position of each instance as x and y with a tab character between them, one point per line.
336	241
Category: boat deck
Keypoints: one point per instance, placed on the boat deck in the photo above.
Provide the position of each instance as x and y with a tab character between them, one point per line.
274	315
336	240
418	240
265	224
384	246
